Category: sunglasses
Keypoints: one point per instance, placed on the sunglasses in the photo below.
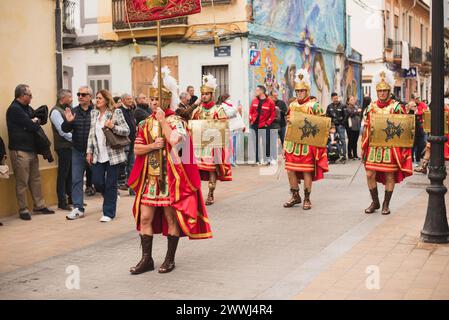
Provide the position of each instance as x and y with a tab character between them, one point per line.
79	94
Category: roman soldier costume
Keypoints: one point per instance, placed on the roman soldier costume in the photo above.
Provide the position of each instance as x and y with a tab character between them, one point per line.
304	158
384	160
165	178
213	162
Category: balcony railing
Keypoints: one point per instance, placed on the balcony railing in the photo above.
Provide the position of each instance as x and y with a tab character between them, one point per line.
390	43
397	49
416	55
120	21
68	22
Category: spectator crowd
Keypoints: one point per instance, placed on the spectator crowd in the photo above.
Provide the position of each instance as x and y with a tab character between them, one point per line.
88	163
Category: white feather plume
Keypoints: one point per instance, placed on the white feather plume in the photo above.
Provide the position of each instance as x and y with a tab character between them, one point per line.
389	77
170	84
302	76
210	81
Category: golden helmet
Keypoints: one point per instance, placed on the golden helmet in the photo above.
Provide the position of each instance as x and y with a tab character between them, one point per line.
169	88
302	81
384	80
209	84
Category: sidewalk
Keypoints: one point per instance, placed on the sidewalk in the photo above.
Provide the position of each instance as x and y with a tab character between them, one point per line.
407	268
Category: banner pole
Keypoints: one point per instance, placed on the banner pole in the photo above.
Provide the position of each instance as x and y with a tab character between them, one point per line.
160	84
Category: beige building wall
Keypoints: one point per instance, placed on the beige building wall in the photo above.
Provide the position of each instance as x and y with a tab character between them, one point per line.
233	16
27	55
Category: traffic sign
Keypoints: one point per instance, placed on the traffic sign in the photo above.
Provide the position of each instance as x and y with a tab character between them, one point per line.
255	57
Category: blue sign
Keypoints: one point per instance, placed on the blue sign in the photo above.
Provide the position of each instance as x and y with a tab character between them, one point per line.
255	58
411	73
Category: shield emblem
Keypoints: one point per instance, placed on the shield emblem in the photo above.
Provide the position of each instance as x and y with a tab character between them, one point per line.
308	129
392	130
209	133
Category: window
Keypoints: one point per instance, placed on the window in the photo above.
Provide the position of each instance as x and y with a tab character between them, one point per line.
396	28
388	24
222	74
99	77
410	29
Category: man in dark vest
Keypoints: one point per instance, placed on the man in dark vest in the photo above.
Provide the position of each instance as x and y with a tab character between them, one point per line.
77	121
63	147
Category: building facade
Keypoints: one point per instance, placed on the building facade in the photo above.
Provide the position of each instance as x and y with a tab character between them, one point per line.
394	34
24	49
260	43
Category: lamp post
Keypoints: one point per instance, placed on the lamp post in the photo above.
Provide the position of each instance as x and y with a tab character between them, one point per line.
436	228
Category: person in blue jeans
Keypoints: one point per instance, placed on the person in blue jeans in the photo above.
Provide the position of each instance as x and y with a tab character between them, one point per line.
77	121
338	114
106	160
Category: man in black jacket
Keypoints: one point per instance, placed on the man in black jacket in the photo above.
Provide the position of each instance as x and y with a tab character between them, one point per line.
337	112
22	126
126	167
143	109
77	121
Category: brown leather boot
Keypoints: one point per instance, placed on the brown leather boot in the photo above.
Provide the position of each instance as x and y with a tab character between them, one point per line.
146	263
423	168
375	205
295	199
307	203
386	205
210	197
169	263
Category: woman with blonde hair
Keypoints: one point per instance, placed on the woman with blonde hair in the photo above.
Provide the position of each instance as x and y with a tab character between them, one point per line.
101	155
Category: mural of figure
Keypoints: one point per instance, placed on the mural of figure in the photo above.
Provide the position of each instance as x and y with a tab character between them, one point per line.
289	78
339	76
270	80
321	79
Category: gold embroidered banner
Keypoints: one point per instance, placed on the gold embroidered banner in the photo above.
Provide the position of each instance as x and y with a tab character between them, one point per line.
153	10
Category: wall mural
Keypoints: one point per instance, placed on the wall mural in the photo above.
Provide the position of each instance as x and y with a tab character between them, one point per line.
287	20
309	35
329	72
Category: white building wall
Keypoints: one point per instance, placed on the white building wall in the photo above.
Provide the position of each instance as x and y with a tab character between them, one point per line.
191	58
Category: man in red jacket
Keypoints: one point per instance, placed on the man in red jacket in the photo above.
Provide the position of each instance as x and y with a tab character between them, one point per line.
262	113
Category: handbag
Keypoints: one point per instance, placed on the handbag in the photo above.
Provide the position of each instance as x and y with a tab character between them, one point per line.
115	141
4	171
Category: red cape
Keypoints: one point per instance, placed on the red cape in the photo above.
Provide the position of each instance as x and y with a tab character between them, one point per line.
184	189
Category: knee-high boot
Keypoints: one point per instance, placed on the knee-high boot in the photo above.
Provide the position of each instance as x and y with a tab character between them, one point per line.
375	205
169	263
146	263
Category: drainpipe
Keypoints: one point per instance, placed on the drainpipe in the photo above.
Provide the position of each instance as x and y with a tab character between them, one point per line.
58	34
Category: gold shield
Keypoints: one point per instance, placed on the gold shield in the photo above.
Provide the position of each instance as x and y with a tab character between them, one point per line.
427	117
209	133
392	130
308	129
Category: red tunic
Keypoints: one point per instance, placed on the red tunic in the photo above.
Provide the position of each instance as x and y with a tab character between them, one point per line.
212	159
184	188
303	158
386	160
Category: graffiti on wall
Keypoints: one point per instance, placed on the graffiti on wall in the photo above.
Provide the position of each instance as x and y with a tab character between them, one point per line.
329	72
295	34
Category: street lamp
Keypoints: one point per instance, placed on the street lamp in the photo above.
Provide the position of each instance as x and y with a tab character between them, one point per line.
436	228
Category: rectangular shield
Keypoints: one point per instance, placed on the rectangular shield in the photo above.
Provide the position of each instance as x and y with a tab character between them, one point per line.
209	133
308	129
427	117
392	130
